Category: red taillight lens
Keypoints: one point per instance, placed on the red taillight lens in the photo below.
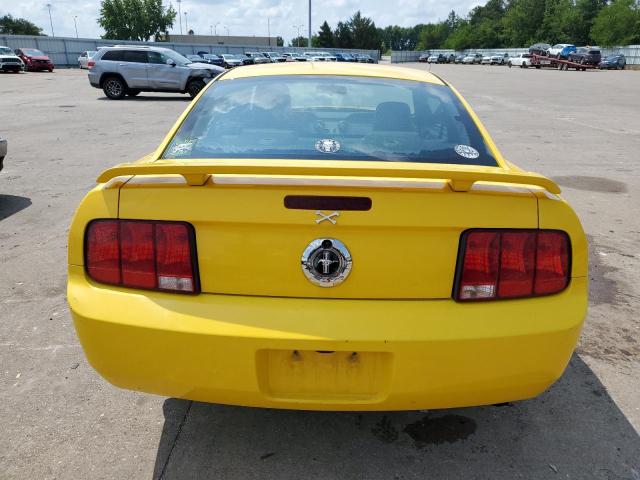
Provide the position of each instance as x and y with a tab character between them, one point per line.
103	251
503	264
90	64
142	254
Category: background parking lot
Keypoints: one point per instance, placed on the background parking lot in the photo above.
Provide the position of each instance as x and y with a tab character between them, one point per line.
59	419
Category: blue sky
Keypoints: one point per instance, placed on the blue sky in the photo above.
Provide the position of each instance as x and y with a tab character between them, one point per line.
241	17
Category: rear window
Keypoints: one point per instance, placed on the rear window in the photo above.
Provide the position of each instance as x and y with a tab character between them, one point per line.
330	118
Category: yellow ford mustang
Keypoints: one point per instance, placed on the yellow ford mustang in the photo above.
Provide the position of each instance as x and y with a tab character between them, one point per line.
331	237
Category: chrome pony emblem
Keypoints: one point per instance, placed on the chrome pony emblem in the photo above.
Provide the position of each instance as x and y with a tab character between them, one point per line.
327	145
326	262
322	217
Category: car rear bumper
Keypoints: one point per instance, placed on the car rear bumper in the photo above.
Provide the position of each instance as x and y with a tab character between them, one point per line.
323	354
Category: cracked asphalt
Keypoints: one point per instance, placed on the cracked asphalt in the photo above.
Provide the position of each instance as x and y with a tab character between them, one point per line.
60	420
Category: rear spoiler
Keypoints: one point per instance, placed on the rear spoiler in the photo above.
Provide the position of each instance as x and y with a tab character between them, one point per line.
459	177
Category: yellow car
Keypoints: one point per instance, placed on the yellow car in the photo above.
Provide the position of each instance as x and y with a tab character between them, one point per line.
328	237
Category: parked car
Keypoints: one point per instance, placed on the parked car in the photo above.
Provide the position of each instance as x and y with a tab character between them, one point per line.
522	60
229	60
212	59
424	58
294	57
34	59
540	49
129	70
246	60
3	152
439	58
451	57
364	58
586	56
84	59
195	58
479	302
499	59
615	62
432	59
460	58
561	50
258	57
472	58
275	57
486	59
9	61
344	57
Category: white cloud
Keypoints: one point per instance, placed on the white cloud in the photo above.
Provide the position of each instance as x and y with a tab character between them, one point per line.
241	17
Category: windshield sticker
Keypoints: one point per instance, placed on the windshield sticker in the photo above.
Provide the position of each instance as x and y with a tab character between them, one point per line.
327	145
183	148
466	151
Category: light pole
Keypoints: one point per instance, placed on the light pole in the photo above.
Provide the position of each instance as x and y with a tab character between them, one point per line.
215	28
75	17
186	28
269	30
50	20
179	15
211	29
298	27
309	44
227	29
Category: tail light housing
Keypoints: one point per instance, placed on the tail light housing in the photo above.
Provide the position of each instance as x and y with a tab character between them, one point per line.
500	264
90	64
151	255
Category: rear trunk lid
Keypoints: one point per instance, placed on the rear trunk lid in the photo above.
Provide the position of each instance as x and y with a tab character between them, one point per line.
250	241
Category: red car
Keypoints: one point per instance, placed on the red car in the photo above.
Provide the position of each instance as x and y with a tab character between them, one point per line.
34	59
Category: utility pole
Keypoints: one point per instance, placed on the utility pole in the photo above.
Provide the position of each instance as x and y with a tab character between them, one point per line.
179	15
269	30
298	27
75	24
309	44
50	20
186	28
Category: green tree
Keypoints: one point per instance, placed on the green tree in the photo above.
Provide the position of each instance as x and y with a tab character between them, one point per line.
325	36
134	19
521	22
586	13
364	32
617	24
558	22
342	35
18	26
279	41
298	42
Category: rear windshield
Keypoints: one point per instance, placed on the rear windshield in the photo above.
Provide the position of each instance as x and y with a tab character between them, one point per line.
330	118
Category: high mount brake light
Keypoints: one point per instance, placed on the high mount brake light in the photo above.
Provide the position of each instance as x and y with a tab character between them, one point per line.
501	264
142	254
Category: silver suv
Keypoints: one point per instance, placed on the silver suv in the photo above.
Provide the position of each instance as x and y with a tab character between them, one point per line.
128	70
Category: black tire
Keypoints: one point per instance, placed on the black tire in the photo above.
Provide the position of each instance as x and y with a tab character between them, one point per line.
194	87
132	92
114	88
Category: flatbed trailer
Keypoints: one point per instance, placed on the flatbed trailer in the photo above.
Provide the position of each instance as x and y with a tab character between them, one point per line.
540	61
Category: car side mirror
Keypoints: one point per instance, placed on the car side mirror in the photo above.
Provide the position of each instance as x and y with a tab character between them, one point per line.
171	62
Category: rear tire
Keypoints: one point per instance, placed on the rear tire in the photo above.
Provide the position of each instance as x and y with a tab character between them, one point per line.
114	88
194	87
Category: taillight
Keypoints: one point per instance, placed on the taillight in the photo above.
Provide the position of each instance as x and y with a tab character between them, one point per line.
501	264
90	64
142	254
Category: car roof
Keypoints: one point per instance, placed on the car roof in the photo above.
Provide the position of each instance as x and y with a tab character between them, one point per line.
331	68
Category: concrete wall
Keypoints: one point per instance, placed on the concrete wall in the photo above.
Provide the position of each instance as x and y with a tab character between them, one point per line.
631	52
64	51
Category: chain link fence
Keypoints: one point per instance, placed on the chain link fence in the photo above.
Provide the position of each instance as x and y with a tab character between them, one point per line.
64	51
